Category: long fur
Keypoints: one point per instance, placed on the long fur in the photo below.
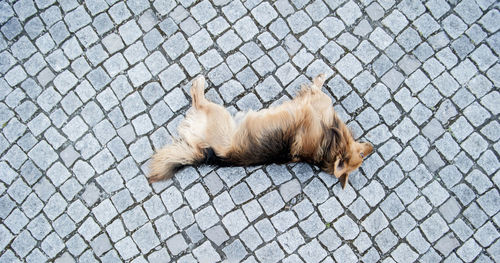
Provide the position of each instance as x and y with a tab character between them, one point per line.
303	129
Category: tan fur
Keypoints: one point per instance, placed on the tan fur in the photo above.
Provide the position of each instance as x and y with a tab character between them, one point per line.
306	127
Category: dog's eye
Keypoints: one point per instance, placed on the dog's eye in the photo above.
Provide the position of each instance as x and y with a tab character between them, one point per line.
362	155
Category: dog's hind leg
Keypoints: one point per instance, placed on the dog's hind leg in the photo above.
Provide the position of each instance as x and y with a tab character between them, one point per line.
216	122
187	149
198	94
170	158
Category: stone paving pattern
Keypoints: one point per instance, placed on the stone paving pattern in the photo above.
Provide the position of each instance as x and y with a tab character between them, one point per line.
88	91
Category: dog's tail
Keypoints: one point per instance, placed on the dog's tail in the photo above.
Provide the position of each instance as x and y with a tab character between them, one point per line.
171	158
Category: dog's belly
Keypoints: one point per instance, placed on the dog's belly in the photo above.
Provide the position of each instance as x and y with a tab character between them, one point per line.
263	137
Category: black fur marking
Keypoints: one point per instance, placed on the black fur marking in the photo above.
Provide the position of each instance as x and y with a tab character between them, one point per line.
211	158
274	147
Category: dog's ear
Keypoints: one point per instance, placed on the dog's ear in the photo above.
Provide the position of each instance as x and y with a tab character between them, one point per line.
368	149
343	180
339	168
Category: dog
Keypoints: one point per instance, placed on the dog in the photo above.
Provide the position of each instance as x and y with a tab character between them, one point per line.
305	129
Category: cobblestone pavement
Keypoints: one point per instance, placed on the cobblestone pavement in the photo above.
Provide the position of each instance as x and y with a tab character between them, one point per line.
88	91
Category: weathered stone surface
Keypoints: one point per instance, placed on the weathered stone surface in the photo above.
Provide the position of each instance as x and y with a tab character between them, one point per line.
89	92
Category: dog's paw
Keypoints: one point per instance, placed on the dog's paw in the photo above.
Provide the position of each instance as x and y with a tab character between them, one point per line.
199	81
319	80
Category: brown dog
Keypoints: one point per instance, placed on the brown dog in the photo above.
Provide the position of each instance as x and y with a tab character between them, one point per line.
304	129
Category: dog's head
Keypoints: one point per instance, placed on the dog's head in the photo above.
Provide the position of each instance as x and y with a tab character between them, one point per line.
345	154
351	161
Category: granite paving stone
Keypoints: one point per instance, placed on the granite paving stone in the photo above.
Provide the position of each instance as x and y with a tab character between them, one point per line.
312	252
144	238
235	251
89	92
165	226
217	234
316	191
264	13
345	253
270	252
39	227
312	226
283	220
291	240
469	250
375	222
346	228
206	253
45	43
252	210
330	239
386	240
23	243
348	40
